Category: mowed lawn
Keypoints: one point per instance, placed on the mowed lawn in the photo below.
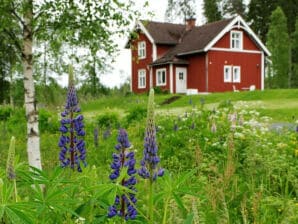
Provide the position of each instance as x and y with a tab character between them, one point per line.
281	105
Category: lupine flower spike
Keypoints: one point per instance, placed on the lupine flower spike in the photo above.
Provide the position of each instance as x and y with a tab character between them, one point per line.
149	163
72	145
10	169
124	206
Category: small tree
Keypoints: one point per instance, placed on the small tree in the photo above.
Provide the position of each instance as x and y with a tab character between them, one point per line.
278	43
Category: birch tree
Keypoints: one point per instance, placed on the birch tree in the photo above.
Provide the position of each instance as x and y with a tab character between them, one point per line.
88	24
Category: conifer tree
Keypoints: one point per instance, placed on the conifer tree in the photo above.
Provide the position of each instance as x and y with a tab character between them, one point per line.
294	77
211	10
278	43
181	9
233	7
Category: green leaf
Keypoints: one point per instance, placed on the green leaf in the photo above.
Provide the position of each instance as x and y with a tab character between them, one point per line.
189	218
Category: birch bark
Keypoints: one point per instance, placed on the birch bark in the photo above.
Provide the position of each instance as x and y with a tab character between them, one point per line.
33	142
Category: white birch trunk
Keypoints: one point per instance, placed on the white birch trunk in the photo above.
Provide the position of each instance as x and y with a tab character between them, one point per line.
33	145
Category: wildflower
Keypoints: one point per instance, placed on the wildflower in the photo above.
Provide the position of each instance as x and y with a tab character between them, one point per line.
95	134
175	128
124	205
213	127
192	125
107	133
149	168
10	169
72	131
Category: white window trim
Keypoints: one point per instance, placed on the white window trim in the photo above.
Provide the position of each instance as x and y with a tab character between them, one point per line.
229	79
240	40
239	75
141	48
161	70
141	72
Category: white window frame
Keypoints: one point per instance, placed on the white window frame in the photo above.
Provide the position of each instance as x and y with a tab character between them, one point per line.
234	40
141	50
158	80
229	77
142	78
237	79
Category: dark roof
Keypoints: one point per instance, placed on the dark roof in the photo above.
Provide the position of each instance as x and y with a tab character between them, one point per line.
165	33
194	40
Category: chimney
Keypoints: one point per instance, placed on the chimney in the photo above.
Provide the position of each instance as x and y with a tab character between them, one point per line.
190	23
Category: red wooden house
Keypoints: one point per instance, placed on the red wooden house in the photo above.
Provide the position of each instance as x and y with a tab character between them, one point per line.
215	57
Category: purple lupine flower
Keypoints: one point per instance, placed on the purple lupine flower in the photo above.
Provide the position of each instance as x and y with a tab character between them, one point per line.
149	163
71	143
106	134
175	128
123	206
95	134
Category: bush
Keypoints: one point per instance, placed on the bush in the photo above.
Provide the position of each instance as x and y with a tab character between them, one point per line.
108	120
137	113
5	112
47	122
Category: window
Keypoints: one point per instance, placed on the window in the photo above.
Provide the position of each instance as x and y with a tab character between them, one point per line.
236	73
227	73
232	73
142	50
236	40
141	78
161	77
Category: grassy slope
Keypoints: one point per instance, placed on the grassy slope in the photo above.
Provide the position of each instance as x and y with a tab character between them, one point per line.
281	105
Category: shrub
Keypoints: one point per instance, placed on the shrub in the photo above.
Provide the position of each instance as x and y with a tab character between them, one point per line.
47	122
137	113
5	112
108	120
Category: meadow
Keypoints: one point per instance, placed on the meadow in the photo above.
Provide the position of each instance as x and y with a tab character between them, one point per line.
227	158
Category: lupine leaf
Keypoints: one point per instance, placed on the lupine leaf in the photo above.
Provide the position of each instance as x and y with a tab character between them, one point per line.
189	218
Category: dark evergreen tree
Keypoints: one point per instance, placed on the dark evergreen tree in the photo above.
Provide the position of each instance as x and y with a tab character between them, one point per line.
259	12
211	10
278	42
294	77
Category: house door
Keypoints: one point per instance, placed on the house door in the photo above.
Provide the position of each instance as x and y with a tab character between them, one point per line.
181	80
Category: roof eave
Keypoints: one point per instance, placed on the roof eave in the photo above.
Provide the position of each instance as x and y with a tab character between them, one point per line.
191	52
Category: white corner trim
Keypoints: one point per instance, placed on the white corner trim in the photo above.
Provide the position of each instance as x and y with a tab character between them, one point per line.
145	31
171	78
262	71
230	26
154	52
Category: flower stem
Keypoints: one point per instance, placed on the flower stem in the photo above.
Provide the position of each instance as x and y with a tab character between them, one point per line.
164	221
151	201
15	190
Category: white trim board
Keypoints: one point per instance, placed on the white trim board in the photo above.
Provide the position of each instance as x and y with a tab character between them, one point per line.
234	50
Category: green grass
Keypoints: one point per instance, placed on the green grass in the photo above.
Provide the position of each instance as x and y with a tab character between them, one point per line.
281	104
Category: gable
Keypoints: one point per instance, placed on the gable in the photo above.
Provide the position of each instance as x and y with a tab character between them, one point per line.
248	42
238	23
